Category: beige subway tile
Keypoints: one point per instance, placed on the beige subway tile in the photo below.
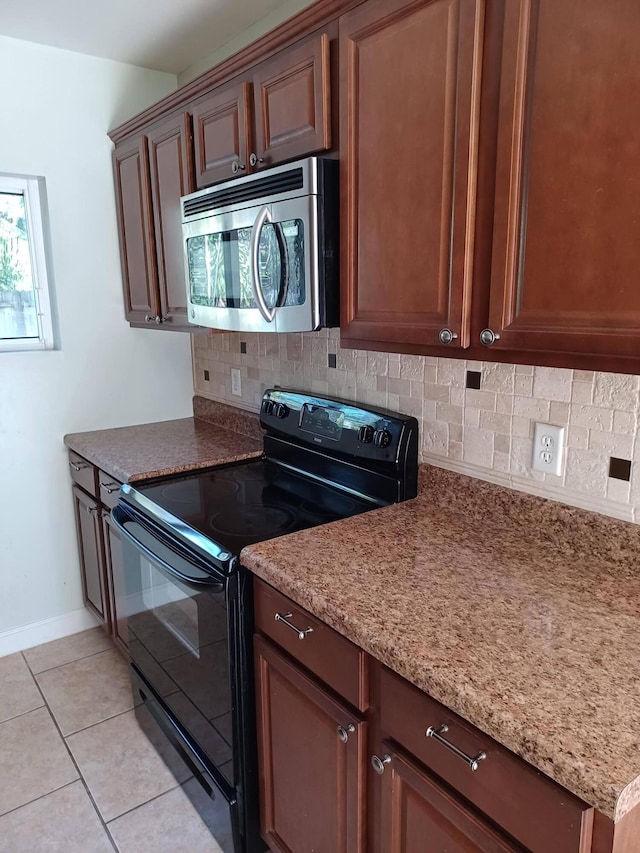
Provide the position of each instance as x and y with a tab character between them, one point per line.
457	396
624	422
451	372
399	386
501	461
618	491
582	393
502	444
429	410
471	417
521	451
455	450
498	377
435	392
532	407
366	381
504	404
394	368
411	367
435	437
552	383
382	383
377	363
319	387
559	413
521	426
611	443
478	447
616	391
495	422
475	365
524	386
393	401
411	406
481	399
577	437
455	432
583	375
586	471
417	388
524	369
591	417
450	414
346	359
430	373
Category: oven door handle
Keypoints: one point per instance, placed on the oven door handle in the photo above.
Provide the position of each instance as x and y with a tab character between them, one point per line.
212	584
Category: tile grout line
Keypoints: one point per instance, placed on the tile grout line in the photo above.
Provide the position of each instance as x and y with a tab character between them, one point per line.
66	663
73	760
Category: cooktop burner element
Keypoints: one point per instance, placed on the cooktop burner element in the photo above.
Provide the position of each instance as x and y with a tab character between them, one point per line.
256	520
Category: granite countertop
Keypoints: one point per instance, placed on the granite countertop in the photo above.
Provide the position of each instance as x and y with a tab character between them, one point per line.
519	614
161	449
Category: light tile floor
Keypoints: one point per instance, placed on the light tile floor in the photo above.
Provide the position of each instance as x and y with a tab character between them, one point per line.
77	774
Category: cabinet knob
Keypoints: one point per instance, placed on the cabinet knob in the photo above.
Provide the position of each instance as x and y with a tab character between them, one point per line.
487	337
237	166
345	731
151	318
254	160
379	764
447	336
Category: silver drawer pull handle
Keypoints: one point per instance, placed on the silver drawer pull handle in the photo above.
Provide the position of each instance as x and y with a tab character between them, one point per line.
473	763
345	731
379	764
78	467
283	619
110	488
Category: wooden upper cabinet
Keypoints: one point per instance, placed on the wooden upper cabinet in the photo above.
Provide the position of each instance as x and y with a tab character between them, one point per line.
410	75
135	226
171	173
421	816
221	127
567	230
292	103
312	780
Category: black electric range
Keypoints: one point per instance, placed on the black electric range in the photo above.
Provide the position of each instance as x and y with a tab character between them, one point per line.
189	601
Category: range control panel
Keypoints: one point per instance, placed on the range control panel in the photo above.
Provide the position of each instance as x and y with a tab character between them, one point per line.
338	426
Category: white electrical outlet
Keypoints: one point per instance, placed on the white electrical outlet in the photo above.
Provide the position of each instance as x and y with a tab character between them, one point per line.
236	382
548	447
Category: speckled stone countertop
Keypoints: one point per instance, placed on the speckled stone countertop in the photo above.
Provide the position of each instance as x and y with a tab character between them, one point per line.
520	614
161	449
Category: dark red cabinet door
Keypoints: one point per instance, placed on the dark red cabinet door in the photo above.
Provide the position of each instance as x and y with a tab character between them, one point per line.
172	176
221	125
135	227
90	549
312	783
566	231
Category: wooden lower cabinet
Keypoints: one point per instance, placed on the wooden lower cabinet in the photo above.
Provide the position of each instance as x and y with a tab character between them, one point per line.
419	815
115	578
312	760
92	566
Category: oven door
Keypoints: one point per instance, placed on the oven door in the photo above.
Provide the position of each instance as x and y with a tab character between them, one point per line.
178	625
255	270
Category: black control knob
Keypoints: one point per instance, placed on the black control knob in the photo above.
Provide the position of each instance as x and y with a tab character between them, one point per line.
267	407
382	438
280	410
365	434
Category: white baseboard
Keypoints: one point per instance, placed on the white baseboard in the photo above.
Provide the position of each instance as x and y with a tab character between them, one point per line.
27	636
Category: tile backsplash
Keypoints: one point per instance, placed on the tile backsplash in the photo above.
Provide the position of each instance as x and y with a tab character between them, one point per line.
475	417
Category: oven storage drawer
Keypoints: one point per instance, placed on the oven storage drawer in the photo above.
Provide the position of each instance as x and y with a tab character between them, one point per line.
83	473
323	651
508	790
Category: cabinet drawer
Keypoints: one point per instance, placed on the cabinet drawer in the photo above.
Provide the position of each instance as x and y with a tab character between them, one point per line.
327	654
108	489
83	473
533	809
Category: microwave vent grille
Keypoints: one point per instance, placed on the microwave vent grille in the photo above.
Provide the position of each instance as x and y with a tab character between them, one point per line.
267	186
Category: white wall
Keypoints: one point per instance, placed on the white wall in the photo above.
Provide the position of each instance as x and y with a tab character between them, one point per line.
56	108
285	11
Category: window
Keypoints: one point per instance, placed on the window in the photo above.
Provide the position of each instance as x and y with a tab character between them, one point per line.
25	304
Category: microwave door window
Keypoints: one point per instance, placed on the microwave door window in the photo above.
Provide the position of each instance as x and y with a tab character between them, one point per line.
282	263
209	261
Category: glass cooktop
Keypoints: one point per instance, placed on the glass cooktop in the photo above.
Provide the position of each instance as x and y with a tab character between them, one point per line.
252	501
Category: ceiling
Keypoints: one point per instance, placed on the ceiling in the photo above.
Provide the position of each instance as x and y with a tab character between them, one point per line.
161	34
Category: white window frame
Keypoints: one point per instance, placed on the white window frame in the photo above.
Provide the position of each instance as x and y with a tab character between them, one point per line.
32	189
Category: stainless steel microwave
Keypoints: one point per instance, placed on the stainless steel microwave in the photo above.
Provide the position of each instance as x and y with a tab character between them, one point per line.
261	252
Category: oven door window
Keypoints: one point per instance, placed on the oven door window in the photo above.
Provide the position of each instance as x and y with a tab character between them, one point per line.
220	266
178	639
